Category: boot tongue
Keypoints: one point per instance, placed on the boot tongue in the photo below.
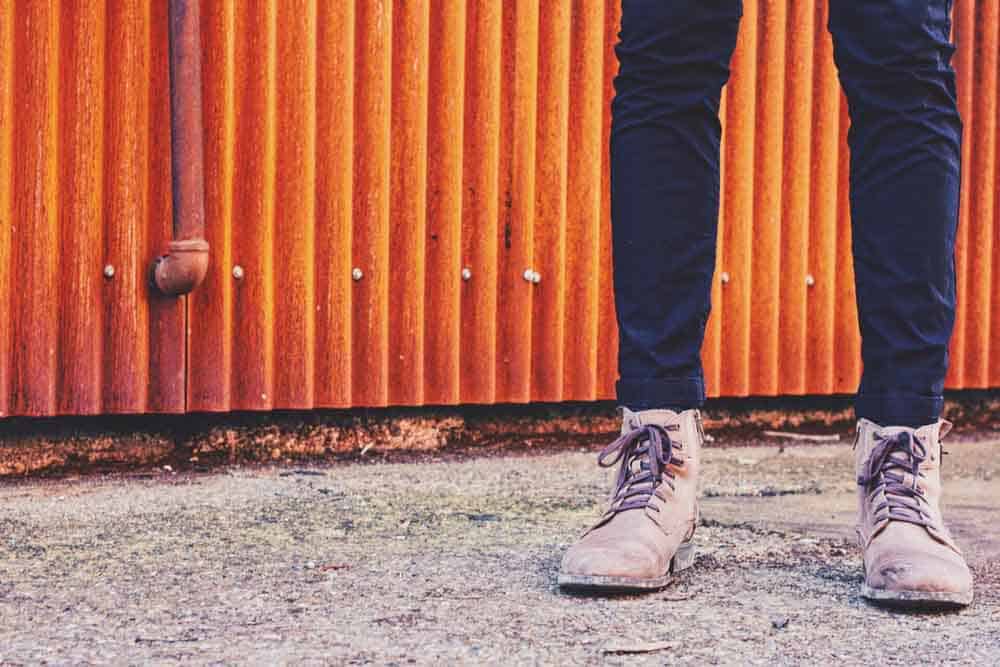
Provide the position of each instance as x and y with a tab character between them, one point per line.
897	458
929	436
633	420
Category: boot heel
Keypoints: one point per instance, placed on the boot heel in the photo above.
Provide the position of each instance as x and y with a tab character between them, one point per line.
684	558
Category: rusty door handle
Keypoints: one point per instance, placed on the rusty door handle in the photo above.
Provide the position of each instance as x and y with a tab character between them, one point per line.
185	264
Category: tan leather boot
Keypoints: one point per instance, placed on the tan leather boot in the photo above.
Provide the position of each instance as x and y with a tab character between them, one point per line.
645	535
910	558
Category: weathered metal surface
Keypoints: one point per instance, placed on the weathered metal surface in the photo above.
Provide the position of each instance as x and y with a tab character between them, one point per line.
410	141
84	184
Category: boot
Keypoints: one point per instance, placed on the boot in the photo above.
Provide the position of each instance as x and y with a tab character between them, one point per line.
645	535
910	559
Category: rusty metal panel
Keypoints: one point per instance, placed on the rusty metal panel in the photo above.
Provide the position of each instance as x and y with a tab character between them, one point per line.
84	205
407	203
481	205
84	185
980	318
7	33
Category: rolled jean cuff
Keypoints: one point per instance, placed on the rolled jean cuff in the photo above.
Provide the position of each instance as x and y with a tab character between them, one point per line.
899	409
657	393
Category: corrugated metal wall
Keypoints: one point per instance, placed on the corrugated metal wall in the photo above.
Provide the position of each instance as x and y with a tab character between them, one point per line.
84	183
410	141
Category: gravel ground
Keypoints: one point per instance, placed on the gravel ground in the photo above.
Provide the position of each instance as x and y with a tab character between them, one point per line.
455	561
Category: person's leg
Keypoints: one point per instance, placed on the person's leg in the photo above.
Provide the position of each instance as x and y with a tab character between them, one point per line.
674	60
894	61
674	57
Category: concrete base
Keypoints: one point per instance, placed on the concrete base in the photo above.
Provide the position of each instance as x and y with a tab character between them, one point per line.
199	442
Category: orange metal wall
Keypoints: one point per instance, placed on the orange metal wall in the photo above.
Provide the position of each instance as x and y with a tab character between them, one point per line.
84	183
410	140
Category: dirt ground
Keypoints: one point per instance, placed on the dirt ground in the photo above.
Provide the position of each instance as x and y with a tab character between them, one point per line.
454	561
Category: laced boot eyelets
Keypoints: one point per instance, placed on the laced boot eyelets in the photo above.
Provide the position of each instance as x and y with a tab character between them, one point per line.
651	447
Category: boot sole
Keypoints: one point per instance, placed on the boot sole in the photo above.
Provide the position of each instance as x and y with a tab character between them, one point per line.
595	583
916	599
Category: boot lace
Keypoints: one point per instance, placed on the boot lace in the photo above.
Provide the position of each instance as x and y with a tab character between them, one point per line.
646	455
892	459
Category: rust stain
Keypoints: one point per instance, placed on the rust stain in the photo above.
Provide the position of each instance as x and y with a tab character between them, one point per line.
193	443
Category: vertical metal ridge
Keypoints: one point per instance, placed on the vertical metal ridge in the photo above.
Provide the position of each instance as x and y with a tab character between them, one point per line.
408	206
993	92
583	203
35	230
295	205
549	296
444	202
164	379
78	389
127	198
846	337
254	206
210	307
823	205
766	270
799	60
480	202
964	36
372	118
519	85
739	208
7	186
607	327
335	151
983	187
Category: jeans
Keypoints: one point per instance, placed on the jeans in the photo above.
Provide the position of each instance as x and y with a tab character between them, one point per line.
893	58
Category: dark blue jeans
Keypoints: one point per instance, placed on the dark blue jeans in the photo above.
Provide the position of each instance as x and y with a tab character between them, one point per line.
894	62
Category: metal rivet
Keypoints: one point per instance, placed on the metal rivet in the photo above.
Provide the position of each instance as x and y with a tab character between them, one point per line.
810	281
724	277
238	272
357	274
532	276
109	271
466	274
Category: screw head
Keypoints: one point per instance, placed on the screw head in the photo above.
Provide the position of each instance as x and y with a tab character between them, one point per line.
810	280
466	274
238	272
357	274
109	271
532	276
724	277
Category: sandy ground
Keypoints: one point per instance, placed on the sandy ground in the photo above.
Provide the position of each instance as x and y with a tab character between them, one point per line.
455	561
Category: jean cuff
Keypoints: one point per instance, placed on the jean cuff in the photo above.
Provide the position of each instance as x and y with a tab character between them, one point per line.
912	410
659	393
